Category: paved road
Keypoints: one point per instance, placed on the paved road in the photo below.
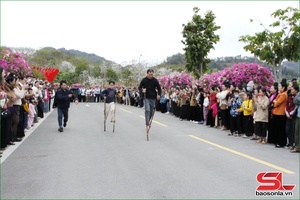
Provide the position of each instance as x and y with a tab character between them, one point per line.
181	160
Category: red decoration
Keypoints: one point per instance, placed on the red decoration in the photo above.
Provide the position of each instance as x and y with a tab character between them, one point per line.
49	73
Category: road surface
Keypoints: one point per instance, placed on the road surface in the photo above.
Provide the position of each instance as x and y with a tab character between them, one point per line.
181	160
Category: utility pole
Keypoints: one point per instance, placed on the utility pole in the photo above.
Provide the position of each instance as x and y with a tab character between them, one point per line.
139	70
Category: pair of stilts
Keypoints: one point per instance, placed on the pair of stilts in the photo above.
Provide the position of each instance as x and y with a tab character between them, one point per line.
113	117
150	122
151	117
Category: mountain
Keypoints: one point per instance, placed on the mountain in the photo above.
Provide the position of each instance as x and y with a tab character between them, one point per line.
291	65
177	62
91	57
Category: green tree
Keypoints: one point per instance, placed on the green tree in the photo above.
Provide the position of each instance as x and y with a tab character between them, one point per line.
176	59
274	47
199	38
69	77
126	75
46	57
81	64
111	75
95	71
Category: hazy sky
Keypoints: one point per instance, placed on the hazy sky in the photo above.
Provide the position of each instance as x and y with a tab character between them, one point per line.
122	31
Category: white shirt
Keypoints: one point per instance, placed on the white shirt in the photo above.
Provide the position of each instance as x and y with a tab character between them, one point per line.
19	95
206	102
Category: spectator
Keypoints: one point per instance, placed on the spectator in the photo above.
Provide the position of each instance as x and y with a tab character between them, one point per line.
279	115
246	108
272	96
296	148
235	117
261	103
290	112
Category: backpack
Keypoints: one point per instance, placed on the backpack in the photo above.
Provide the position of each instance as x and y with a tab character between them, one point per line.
55	101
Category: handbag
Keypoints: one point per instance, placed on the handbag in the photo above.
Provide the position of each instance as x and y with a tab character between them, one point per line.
26	107
2	103
223	107
5	113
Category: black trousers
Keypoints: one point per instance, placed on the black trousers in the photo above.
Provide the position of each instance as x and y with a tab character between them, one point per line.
271	129
210	119
184	112
279	129
235	124
163	107
40	109
261	129
193	113
225	118
20	129
6	134
248	125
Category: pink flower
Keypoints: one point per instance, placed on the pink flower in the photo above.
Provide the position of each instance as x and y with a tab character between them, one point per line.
240	73
14	62
181	79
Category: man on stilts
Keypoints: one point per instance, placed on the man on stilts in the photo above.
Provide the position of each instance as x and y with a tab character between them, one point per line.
151	90
110	102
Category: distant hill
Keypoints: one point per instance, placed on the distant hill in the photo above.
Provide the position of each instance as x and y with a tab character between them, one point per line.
291	65
91	57
177	62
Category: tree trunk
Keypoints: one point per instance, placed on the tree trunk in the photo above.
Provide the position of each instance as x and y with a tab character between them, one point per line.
280	71
275	71
201	69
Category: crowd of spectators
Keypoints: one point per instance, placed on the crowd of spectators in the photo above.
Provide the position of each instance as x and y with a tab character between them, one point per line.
247	111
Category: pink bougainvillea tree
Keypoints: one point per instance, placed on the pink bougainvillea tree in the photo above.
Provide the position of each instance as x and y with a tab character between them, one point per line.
180	79
14	62
240	73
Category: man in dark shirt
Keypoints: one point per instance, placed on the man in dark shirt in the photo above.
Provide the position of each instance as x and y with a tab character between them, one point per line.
62	98
109	98
150	87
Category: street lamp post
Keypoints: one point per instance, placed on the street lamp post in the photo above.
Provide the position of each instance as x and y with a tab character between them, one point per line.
140	60
139	70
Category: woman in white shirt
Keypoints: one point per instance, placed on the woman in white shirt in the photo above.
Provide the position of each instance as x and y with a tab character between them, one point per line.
223	103
17	103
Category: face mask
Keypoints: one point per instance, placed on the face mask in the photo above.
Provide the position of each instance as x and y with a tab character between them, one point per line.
236	96
248	88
